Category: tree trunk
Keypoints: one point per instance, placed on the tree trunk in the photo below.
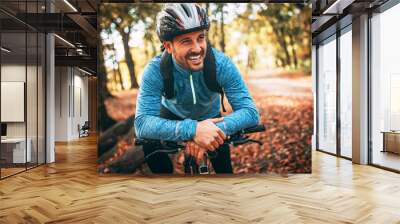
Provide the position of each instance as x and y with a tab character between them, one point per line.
283	44
146	51
128	58
251	59
251	54
208	15
222	42
102	76
153	49
279	61
152	41
105	120
118	77
294	55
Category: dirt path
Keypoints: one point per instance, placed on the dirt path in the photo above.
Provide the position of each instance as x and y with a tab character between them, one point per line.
272	84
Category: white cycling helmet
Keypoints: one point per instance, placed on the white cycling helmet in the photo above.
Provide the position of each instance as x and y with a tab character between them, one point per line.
180	18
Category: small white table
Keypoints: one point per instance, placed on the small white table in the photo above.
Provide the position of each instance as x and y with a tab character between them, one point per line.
18	149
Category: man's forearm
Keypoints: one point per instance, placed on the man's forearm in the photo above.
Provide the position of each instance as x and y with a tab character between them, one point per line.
153	127
240	119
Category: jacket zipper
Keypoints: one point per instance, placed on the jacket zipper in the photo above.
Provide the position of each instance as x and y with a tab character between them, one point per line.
192	86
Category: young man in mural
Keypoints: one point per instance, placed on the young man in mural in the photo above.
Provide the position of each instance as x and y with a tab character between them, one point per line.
181	92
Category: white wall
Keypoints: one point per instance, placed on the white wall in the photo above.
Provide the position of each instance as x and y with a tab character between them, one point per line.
13	73
61	103
71	94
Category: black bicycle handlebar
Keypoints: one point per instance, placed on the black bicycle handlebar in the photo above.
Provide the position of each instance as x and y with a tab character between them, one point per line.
234	139
137	155
257	128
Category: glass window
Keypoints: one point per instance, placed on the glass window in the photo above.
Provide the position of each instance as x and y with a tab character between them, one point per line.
385	84
41	99
31	96
14	153
327	96
345	94
22	90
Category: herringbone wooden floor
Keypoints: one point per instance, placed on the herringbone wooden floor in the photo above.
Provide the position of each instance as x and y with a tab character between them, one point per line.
70	191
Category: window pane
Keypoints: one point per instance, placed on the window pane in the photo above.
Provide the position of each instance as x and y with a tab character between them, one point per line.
13	84
345	94
31	97
22	79
385	88
41	98
327	96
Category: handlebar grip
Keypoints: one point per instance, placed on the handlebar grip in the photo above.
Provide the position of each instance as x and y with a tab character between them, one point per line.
257	128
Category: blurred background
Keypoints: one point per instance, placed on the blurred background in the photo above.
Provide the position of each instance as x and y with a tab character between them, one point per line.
271	45
255	36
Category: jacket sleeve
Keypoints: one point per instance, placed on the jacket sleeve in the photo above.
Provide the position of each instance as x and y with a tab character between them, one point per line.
244	113
148	123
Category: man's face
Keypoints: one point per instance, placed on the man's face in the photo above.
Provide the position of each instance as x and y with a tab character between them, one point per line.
189	49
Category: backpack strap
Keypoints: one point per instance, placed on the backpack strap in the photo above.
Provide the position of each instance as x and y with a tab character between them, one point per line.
210	72
166	69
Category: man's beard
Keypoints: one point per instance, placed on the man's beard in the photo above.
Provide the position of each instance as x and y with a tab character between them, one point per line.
195	58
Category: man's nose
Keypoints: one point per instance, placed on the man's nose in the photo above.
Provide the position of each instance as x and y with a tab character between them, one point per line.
196	48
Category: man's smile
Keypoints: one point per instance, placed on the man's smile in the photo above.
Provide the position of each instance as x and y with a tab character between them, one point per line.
195	59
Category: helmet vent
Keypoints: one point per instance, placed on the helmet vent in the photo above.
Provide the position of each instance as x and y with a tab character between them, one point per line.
187	11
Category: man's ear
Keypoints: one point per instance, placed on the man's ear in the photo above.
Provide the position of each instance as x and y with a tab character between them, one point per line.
168	46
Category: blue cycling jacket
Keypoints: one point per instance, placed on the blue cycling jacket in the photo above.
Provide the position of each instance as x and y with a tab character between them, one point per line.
192	101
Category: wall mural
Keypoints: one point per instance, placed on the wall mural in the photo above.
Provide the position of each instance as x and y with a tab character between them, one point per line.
210	88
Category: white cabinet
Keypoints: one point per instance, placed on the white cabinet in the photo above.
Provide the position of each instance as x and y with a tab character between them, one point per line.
17	146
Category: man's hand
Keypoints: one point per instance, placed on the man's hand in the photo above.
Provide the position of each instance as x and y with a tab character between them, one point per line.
195	150
208	135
